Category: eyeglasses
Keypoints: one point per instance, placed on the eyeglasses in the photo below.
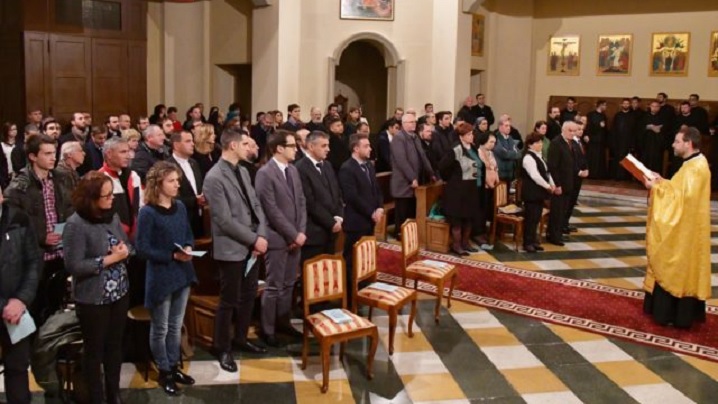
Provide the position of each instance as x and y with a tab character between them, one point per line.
291	145
108	196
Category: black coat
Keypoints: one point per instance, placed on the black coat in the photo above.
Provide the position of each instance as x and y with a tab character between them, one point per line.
383	161
361	197
22	259
338	151
485	112
461	197
189	198
561	165
324	200
145	158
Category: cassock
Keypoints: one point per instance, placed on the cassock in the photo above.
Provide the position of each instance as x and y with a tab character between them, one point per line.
654	143
621	142
678	246
597	133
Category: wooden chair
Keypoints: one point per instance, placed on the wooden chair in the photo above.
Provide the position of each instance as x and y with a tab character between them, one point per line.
391	302
545	213
421	270
500	200
324	281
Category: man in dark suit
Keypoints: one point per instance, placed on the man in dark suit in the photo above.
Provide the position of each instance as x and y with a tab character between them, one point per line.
561	166
580	169
319	182
190	192
362	197
279	189
482	110
261	132
410	168
149	151
239	232
383	161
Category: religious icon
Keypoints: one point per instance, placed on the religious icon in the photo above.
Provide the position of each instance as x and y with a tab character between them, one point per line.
367	10
615	54
713	56
564	55
669	54
478	23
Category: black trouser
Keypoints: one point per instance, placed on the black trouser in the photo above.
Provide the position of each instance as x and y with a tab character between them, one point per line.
532	217
577	182
103	326
17	360
236	295
404	208
557	217
51	291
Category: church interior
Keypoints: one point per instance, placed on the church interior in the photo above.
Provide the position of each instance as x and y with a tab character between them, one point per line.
561	326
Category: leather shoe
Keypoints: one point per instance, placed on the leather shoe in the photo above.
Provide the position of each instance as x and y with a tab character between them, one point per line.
471	249
460	253
529	249
226	362
167	382
291	332
556	242
572	229
538	247
251	348
180	377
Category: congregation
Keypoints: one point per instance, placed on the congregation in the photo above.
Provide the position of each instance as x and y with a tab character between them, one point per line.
118	206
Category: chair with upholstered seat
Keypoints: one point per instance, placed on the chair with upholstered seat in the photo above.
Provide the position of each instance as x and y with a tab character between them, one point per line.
324	281
391	301
500	201
433	272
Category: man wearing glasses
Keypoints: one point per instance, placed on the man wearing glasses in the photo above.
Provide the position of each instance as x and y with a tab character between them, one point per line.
279	188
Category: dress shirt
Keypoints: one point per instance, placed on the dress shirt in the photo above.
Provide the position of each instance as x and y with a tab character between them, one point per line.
529	165
314	162
282	166
187	170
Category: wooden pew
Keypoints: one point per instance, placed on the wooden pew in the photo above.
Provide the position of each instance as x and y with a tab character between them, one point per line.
433	235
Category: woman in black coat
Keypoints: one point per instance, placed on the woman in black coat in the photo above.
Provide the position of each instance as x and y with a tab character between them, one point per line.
536	187
460	169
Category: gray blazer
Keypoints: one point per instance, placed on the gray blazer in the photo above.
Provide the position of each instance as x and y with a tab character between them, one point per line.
233	235
84	242
286	211
408	163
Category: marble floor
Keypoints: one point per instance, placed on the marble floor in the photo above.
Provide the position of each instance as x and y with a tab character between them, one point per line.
477	354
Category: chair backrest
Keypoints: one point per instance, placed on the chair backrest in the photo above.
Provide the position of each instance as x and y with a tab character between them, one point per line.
364	259
500	196
324	280
409	239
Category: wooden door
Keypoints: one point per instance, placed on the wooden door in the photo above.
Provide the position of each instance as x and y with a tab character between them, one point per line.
137	76
71	76
109	78
37	71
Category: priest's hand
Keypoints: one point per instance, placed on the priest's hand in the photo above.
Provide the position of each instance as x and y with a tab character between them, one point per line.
650	182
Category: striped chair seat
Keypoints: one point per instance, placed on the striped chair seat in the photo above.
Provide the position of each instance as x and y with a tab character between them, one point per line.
420	268
326	327
383	297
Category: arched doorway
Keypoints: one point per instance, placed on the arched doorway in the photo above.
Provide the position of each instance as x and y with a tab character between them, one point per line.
367	70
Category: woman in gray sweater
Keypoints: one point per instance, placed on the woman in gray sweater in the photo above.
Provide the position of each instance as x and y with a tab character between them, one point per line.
96	251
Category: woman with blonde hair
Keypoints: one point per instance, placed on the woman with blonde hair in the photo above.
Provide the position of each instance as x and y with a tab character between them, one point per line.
206	150
164	239
133	140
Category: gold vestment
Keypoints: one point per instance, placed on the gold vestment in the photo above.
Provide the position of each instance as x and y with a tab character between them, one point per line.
678	232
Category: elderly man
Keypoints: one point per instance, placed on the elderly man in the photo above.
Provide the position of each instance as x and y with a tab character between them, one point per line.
562	168
506	151
410	168
150	151
72	157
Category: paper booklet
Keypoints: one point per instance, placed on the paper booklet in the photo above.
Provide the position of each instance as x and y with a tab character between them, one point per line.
383	286
338	316
435	264
193	253
19	331
636	168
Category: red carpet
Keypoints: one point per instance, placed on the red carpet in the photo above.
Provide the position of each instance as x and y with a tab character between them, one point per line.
581	304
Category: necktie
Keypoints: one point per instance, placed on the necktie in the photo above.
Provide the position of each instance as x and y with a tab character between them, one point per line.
290	183
245	196
366	172
319	167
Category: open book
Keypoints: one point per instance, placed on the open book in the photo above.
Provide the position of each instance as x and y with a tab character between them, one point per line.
636	168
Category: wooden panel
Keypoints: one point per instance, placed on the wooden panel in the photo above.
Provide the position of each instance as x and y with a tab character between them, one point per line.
12	105
35	15
71	77
135	19
37	69
9	12
137	75
109	77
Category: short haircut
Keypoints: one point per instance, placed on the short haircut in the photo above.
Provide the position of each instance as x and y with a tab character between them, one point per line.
420	127
538	124
691	134
463	128
696	96
570	99
361	125
69	147
131	134
393	122
32	146
479	95
354	109
107	121
685	103
259	115
441	114
112	143
504	118
636	98
354	140
230	135
626	99
292	107
532	138
46	121
655	102
600	102
427	105
278	138
664	95
157	173
332	120
566	125
316	135
176	137
171	110
398	109
332	105
484	137
98	130
87	192
150	130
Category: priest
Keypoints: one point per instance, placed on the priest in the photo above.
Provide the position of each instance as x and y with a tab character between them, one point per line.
678	274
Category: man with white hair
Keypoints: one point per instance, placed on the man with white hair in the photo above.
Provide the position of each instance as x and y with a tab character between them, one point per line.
562	169
315	122
72	157
150	151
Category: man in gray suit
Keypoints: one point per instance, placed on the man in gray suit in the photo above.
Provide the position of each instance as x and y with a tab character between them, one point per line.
239	233
279	188
410	168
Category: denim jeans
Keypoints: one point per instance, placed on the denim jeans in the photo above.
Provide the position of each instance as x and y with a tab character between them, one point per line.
166	329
